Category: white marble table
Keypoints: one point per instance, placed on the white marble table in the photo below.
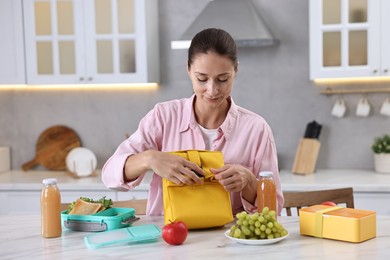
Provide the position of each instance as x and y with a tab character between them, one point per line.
20	239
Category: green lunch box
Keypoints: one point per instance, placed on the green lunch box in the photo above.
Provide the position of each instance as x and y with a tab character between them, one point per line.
109	219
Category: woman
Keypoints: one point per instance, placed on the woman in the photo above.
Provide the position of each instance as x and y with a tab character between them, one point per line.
209	120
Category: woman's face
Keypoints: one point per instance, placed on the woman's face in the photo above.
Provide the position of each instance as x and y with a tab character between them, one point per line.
212	79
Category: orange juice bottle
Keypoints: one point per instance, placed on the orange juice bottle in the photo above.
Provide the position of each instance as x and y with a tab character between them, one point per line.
50	209
266	192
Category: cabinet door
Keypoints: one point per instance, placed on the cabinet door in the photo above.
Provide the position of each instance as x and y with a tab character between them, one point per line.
11	44
94	41
378	202
110	28
29	201
54	42
134	194
70	196
385	38
344	38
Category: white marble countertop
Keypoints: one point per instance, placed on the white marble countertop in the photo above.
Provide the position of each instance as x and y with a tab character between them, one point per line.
32	180
20	239
361	181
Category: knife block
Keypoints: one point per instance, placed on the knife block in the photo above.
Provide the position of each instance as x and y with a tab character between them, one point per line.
306	156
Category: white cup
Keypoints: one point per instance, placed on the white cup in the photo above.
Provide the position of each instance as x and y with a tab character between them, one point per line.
385	108
363	107
339	108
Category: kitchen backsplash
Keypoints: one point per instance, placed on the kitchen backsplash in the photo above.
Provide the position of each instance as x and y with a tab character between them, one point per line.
272	81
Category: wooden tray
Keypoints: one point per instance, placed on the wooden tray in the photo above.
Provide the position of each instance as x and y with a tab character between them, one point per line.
52	147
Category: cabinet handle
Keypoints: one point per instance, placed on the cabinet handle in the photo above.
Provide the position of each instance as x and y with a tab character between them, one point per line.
375	71
81	78
385	70
90	79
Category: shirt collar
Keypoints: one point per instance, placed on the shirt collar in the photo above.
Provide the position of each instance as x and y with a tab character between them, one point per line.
189	120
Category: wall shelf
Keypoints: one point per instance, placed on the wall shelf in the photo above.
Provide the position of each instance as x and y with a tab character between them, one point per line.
333	91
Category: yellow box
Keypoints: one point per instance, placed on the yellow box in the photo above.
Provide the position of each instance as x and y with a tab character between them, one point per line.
346	224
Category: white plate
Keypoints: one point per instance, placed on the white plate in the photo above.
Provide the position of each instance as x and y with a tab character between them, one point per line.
81	161
255	241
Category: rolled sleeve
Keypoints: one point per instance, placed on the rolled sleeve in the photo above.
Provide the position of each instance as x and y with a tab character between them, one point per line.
112	174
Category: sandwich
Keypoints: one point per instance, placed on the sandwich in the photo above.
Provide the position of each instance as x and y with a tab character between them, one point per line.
82	207
86	206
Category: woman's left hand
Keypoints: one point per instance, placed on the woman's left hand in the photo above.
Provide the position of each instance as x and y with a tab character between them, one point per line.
233	177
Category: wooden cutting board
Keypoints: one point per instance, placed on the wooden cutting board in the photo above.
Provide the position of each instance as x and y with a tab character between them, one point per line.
52	147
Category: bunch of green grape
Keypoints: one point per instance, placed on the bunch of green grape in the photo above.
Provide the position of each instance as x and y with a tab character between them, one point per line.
261	225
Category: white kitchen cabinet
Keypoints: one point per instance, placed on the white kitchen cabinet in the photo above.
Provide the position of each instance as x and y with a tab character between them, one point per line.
29	201
91	41
11	43
371	190
21	190
349	38
378	202
132	195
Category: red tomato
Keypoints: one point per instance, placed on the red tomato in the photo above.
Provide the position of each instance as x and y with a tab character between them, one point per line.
175	233
329	203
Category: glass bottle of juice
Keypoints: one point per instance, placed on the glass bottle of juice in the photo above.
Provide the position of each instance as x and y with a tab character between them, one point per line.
266	192
50	209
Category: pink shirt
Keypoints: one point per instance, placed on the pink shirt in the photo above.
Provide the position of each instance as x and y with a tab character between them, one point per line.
244	138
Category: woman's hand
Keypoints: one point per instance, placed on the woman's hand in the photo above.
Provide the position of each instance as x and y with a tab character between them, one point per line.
175	168
237	178
234	178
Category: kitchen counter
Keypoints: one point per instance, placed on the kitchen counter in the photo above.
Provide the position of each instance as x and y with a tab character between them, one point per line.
20	239
361	181
22	189
32	180
371	190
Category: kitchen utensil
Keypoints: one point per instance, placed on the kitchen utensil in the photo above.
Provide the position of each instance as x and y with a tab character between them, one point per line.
363	108
385	108
81	162
339	108
52	148
306	156
313	130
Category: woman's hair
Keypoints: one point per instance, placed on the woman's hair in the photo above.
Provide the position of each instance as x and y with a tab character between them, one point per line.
216	40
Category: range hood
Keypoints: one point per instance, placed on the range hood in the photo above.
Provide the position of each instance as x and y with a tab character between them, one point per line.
239	18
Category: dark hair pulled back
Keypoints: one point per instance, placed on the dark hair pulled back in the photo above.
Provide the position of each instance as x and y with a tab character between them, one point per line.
216	40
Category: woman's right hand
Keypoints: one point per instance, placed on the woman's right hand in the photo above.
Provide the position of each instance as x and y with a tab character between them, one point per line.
174	168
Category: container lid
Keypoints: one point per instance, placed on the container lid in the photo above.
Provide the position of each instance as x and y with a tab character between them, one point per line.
135	234
266	174
339	211
49	181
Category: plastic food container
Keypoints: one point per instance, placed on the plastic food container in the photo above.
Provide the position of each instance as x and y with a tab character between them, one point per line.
109	219
346	224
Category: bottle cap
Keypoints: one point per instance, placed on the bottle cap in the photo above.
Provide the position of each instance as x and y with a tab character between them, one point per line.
49	181
266	174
